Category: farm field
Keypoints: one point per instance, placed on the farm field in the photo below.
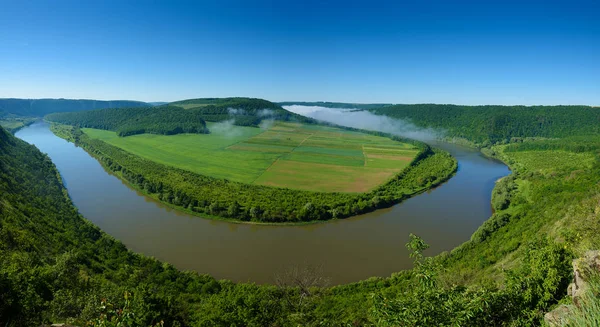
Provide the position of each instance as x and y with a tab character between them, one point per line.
291	155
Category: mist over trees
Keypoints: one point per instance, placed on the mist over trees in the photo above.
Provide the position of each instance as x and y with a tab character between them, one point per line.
487	125
243	111
233	200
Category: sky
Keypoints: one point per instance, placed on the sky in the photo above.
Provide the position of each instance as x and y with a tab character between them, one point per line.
419	51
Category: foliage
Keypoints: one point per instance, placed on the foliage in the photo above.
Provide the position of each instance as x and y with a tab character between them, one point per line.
242	111
210	196
55	266
530	289
14	123
339	105
288	155
587	313
42	107
487	125
130	121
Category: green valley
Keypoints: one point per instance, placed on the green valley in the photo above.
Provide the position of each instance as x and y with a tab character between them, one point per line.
284	172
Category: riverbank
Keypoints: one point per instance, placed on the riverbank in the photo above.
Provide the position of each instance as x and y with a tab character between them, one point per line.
209	198
445	217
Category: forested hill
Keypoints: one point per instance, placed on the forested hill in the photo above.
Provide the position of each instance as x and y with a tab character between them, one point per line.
42	107
55	265
339	105
166	120
492	124
242	111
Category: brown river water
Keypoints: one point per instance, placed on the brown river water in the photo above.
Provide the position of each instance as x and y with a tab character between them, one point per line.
346	250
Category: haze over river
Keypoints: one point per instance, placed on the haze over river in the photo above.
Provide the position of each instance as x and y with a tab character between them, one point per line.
348	250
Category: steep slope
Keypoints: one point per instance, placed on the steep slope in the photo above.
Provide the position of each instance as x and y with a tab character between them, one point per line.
55	265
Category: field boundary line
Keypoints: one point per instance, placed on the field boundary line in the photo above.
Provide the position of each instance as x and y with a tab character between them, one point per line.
266	170
281	155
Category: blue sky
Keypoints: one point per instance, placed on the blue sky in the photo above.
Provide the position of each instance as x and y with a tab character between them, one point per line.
465	52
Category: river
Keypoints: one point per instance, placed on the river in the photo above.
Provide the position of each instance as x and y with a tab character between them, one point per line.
345	250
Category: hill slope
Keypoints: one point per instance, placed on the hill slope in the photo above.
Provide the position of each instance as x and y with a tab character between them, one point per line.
55	265
130	121
339	105
42	107
491	124
241	111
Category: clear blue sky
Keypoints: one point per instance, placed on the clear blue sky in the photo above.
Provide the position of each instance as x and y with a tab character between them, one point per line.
476	52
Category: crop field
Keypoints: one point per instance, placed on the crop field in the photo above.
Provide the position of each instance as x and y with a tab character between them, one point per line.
291	155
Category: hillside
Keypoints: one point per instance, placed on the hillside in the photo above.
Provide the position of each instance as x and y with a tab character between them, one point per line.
130	121
486	125
70	266
241	111
339	105
515	267
42	107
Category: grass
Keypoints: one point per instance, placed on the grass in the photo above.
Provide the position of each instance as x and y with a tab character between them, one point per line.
290	155
13	124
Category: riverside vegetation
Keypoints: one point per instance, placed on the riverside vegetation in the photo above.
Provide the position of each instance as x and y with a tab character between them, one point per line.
379	172
514	268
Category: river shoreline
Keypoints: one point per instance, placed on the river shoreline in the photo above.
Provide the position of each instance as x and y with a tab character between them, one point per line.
445	217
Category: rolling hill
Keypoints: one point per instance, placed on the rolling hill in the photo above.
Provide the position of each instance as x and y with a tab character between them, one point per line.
42	107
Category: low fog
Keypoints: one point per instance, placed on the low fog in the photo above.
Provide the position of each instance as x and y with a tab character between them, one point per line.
366	120
226	128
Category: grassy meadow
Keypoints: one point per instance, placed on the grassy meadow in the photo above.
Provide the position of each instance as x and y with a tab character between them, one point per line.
291	155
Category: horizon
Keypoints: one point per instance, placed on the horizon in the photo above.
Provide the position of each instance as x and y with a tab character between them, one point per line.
505	53
319	101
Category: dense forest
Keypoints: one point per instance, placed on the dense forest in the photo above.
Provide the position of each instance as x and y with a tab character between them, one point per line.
515	268
339	105
243	111
186	116
57	267
485	125
213	197
42	107
166	120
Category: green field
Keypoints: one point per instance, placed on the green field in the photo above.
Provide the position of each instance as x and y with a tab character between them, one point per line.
292	155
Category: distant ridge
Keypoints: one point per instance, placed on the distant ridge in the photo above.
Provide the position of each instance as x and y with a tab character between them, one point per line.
42	107
338	105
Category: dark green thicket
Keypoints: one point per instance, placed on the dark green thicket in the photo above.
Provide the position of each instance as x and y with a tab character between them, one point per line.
42	107
130	121
211	196
242	111
56	265
486	125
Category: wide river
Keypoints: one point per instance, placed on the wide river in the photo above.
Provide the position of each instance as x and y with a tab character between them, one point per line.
346	250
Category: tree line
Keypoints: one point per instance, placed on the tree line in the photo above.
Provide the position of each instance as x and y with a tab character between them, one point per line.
42	107
214	197
165	120
486	125
243	111
55	266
